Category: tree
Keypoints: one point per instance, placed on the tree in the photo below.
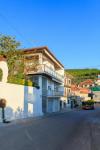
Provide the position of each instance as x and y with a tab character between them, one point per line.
9	47
8	43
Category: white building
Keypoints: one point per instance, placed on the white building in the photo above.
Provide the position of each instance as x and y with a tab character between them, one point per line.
43	68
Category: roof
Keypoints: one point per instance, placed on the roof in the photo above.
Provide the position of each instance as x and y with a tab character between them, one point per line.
74	87
41	49
86	82
84	90
81	90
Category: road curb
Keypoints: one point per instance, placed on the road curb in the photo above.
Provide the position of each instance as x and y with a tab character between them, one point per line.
23	120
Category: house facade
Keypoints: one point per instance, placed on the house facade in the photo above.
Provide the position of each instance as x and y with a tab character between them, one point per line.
87	83
82	92
67	84
45	70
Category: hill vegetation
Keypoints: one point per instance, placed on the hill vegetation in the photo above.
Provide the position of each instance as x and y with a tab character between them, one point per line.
80	75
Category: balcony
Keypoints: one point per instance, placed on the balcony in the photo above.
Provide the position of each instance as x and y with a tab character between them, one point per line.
43	69
52	93
55	93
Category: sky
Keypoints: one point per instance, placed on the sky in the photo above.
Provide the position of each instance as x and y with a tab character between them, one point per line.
70	28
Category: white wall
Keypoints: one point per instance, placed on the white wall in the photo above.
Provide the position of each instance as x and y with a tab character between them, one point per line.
4	68
22	101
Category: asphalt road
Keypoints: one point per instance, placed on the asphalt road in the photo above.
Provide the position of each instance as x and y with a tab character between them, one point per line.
76	130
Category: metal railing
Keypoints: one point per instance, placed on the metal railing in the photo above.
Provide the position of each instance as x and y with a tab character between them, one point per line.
44	69
55	93
52	93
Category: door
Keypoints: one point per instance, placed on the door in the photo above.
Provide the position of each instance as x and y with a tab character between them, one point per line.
56	105
50	106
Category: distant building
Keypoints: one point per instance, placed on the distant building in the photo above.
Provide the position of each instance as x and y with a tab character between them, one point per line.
67	84
83	92
86	83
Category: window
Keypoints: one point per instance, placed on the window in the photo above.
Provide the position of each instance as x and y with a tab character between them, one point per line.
69	82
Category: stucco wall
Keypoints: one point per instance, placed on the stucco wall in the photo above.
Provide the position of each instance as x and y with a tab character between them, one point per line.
22	101
4	68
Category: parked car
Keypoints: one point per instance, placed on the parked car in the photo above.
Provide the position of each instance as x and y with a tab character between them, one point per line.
88	105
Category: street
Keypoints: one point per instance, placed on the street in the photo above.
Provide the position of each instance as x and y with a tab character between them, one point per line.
74	130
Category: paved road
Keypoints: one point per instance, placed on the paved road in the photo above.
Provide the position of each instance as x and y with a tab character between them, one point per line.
77	130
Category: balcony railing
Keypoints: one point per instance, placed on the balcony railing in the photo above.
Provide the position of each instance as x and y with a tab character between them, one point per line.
43	69
55	93
52	93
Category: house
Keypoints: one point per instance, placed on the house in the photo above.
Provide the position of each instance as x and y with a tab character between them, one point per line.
74	97
83	92
47	72
86	83
74	89
67	84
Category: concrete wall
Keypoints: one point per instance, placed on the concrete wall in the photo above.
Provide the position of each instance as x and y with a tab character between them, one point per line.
4	68
22	101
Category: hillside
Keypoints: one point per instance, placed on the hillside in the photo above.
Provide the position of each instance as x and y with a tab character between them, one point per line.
83	74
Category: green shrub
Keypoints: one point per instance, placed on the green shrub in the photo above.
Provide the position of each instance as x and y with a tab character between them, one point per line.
88	102
28	83
15	80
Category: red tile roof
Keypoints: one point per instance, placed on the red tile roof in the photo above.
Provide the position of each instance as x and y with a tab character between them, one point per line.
75	88
86	82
